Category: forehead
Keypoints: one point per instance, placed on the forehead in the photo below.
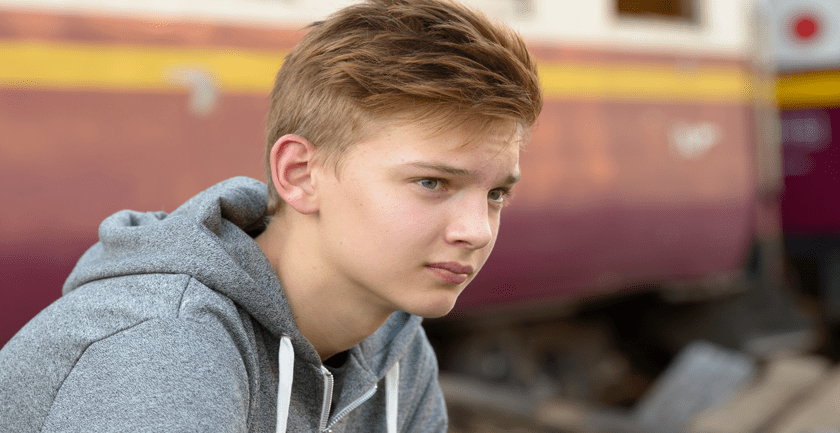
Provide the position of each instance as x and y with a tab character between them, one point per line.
387	140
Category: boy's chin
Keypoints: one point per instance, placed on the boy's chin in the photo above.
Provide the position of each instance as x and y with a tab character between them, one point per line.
434	311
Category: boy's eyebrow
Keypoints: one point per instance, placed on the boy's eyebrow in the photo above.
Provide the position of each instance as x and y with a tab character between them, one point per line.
455	171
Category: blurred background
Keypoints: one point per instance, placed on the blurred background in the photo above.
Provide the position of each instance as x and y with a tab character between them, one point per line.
671	261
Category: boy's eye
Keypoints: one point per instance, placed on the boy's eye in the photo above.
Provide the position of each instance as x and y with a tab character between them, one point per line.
497	195
430	183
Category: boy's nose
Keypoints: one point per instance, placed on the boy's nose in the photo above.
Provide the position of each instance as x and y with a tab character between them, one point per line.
470	226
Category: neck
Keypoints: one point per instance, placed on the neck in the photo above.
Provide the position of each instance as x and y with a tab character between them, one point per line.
328	312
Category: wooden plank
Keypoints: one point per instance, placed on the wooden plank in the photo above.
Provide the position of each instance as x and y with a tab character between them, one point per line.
566	415
756	405
475	394
819	412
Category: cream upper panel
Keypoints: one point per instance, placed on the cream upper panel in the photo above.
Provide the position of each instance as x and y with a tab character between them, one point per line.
722	27
253	12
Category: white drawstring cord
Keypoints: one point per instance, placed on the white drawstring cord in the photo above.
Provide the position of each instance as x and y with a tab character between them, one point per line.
392	386
286	366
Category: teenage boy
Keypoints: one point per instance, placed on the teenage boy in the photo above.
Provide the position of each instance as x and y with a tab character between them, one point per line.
393	141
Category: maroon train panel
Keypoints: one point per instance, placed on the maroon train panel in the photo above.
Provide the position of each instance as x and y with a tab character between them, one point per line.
811	200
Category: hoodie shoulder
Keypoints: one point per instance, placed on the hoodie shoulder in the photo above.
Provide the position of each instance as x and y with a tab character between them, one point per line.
36	361
118	313
160	375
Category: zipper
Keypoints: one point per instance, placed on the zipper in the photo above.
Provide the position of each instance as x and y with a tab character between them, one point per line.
328	391
352	406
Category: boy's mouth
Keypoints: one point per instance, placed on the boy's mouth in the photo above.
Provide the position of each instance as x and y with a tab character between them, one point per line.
451	272
454	267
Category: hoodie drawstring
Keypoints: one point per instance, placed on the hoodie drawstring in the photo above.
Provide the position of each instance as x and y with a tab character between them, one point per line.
286	366
392	389
286	363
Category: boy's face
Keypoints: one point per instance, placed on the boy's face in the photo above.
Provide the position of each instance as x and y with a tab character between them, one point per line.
410	219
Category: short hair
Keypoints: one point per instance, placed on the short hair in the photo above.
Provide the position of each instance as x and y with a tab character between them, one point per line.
432	61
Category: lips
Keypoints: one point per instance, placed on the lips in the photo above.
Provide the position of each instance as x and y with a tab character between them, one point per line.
451	272
454	267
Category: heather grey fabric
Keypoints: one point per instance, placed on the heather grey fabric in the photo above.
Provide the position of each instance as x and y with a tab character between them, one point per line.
172	323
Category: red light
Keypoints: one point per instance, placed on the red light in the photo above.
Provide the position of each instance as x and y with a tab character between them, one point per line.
806	27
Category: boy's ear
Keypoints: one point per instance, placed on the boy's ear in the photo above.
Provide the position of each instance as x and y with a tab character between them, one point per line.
292	159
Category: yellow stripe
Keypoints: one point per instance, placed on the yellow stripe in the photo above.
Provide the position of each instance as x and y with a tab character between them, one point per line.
646	83
63	65
107	67
820	89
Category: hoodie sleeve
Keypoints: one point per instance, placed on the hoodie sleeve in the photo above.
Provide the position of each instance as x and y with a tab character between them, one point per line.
161	375
421	390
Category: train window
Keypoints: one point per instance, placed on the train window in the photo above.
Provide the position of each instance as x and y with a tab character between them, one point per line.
680	10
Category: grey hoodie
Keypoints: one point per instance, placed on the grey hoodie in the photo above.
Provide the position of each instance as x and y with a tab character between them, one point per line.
178	323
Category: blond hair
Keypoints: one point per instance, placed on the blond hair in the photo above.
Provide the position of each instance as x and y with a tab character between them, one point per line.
429	61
